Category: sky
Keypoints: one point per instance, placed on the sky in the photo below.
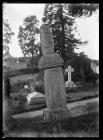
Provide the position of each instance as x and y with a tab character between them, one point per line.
88	27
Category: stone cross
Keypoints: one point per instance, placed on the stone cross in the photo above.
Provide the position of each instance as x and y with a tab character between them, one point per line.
69	70
54	85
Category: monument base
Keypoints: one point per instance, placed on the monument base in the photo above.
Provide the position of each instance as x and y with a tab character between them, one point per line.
56	114
70	84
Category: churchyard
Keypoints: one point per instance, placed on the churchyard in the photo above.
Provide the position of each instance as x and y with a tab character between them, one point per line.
27	120
32	124
46	105
50	88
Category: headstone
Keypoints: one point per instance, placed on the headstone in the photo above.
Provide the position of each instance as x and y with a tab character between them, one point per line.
69	70
69	83
54	85
97	69
26	86
35	95
93	67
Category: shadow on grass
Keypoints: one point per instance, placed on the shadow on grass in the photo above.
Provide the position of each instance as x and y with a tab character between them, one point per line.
87	124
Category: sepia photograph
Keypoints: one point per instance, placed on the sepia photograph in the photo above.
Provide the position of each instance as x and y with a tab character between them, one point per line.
50	70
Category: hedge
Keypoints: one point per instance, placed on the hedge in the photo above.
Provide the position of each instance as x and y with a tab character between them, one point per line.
14	73
29	70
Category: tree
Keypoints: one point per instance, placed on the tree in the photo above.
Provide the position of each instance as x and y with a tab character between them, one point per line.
62	26
27	37
82	69
79	62
82	9
7	32
7	36
92	77
61	18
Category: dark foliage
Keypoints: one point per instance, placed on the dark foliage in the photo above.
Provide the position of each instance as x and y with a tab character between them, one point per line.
92	77
35	61
82	69
28	70
14	73
62	27
7	87
82	9
27	38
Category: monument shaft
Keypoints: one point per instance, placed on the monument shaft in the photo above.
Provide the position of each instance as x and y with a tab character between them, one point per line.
55	93
54	88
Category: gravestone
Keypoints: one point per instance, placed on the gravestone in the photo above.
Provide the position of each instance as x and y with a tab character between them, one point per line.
69	83
36	96
54	85
95	68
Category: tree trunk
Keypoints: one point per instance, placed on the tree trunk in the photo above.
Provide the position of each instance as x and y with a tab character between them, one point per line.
63	34
32	57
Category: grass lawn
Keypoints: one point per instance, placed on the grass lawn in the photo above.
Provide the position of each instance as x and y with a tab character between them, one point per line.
82	126
24	77
71	97
85	94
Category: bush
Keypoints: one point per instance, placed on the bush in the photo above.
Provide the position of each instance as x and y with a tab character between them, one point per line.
39	87
35	61
7	87
29	70
92	77
65	76
76	76
68	90
13	73
22	99
21	72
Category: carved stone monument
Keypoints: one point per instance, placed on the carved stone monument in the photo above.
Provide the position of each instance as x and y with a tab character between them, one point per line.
70	83
54	85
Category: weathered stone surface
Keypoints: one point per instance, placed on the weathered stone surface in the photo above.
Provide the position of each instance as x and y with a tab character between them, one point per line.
50	60
53	78
56	114
47	43
54	88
